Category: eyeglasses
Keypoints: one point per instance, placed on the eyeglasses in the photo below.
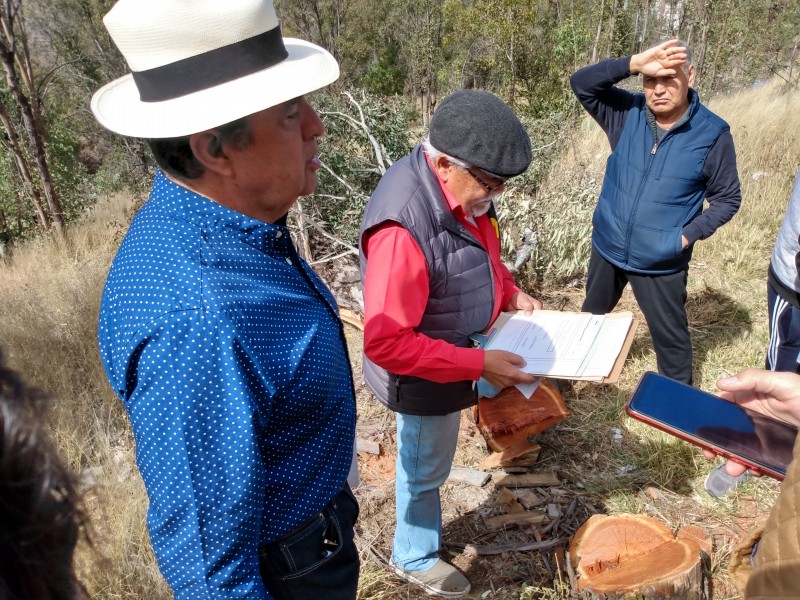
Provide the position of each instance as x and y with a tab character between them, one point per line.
489	188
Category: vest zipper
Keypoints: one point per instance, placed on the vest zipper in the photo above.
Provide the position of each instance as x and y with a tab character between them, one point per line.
638	200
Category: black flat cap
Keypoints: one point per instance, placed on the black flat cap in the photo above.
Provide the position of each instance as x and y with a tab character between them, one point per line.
479	128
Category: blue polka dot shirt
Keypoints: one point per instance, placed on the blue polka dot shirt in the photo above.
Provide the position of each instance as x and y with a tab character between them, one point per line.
228	354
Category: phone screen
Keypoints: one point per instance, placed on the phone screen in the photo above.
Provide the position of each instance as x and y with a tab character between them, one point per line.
709	421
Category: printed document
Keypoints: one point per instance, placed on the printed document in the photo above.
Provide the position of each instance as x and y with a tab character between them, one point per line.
563	344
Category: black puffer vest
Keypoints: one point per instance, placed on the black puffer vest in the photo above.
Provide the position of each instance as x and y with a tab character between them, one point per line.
461	288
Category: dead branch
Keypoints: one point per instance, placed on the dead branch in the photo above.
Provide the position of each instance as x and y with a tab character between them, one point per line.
342	181
309	221
487	550
301	232
322	261
380	156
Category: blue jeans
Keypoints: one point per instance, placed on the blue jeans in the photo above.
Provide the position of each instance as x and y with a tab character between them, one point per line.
320	560
425	449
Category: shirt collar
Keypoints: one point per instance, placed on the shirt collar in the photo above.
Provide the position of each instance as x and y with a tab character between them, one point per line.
182	203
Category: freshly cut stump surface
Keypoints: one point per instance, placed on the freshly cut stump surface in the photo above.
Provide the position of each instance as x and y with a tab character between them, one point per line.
622	556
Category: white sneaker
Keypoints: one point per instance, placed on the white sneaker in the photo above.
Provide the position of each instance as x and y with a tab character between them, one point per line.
442	579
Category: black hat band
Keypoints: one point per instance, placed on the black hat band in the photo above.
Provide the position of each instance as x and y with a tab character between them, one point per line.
211	68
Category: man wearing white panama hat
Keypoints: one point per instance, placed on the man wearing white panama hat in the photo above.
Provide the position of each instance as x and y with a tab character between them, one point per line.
224	346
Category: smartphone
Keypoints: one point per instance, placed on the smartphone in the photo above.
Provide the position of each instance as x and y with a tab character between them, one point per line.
755	440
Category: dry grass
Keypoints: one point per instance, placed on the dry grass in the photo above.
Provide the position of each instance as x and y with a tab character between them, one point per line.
50	297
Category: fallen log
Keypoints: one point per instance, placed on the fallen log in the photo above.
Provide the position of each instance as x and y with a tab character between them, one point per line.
622	556
510	418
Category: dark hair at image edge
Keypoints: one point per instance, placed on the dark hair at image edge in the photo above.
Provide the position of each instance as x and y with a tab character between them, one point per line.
41	519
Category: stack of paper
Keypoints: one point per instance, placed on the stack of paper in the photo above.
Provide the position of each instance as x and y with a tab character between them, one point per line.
565	345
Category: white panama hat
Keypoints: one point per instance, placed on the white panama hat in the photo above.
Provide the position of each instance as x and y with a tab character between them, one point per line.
198	64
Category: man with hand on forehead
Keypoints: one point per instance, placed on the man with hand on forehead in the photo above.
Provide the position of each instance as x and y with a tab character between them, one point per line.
669	154
430	262
225	347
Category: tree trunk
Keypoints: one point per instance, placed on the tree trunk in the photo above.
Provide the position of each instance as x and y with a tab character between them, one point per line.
643	37
513	86
13	145
612	24
621	556
599	31
792	59
12	37
712	76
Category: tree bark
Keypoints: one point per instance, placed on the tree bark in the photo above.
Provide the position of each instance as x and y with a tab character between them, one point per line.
12	37
599	31
612	24
13	144
643	37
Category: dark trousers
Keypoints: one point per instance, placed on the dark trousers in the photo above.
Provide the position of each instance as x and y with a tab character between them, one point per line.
320	560
784	333
662	299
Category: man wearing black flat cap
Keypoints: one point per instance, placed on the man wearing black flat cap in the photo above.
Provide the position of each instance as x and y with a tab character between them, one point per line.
430	263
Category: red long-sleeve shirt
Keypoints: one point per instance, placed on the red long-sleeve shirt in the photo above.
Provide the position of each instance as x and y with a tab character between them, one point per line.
396	294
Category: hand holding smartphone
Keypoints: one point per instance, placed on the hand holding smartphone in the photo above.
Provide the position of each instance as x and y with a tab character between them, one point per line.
713	423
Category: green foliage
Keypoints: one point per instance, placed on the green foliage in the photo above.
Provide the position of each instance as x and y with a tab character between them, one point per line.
69	175
411	52
493	52
350	155
560	219
564	223
386	76
18	217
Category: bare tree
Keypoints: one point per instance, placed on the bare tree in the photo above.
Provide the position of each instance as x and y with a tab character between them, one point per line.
19	79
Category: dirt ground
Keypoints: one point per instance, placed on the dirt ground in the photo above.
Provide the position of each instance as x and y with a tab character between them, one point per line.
512	573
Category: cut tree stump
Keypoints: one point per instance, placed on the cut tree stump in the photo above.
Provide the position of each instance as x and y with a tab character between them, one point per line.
509	419
636	556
